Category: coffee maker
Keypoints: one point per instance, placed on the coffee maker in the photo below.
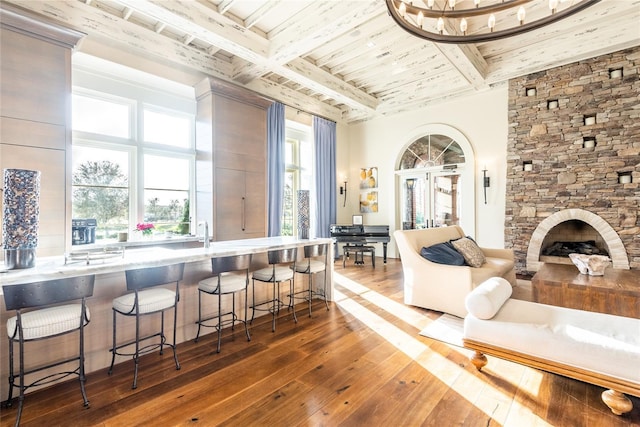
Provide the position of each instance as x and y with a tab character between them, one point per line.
83	231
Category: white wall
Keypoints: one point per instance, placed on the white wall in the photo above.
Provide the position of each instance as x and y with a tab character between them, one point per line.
482	118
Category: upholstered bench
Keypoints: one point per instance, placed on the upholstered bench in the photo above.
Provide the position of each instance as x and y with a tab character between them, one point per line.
596	348
358	251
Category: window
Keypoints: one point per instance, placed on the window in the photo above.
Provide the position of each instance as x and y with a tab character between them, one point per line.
133	162
298	172
436	179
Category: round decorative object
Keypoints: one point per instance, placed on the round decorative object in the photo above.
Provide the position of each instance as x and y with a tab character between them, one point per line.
593	265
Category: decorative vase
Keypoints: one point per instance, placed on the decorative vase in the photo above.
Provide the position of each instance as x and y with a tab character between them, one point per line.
20	222
303	214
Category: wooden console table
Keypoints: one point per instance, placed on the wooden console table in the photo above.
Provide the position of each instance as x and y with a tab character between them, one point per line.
617	292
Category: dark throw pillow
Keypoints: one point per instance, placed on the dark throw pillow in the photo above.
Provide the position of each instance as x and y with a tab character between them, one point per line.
443	253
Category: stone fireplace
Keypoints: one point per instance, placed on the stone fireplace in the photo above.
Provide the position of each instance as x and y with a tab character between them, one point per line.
595	228
574	157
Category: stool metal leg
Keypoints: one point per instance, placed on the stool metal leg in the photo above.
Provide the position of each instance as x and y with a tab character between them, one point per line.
246	308
324	287
113	349
292	286
310	291
199	314
219	320
11	376
81	368
21	398
253	293
273	311
136	355
175	320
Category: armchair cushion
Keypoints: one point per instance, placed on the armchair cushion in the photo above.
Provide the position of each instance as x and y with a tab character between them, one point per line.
472	254
443	253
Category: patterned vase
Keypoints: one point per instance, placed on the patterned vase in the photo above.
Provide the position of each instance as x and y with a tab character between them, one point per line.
21	212
303	214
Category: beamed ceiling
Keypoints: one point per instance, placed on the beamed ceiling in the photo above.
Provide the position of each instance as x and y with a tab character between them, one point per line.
343	60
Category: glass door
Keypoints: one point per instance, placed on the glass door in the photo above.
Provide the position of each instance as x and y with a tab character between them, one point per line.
431	199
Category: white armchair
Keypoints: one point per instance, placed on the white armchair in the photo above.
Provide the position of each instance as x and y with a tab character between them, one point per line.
443	287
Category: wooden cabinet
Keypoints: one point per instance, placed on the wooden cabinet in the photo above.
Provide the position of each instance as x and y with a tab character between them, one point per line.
35	114
231	163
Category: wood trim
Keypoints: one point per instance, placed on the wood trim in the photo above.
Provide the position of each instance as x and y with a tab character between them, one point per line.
624	386
25	22
238	93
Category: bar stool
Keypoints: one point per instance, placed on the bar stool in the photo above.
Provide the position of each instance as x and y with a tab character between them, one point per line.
225	282
282	263
310	266
32	323
144	301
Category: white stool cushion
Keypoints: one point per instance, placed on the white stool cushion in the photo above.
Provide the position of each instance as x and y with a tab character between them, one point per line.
485	300
149	300
228	283
266	274
314	266
47	321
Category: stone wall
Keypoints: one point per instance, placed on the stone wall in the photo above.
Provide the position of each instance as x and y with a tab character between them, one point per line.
557	159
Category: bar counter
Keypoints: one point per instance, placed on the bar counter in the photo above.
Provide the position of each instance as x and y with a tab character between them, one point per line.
139	257
110	283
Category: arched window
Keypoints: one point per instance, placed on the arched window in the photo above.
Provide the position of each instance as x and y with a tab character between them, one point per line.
435	185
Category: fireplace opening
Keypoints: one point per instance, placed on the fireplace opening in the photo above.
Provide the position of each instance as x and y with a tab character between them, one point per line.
572	236
563	249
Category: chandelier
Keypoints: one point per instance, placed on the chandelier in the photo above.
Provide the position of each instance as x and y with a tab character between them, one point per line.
444	21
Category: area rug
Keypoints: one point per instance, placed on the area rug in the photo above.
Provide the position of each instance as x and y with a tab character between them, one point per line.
446	328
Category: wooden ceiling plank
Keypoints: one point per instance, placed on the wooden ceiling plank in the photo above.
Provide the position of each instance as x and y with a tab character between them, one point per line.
295	99
199	21
570	46
126	34
226	36
354	40
320	23
468	61
225	5
381	41
308	75
114	30
320	26
260	13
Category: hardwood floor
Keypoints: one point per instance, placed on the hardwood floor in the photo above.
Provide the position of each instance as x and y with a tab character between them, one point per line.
361	363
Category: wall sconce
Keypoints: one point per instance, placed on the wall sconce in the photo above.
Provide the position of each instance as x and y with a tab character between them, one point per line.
343	190
486	182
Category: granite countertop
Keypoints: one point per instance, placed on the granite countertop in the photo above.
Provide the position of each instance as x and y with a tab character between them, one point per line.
48	268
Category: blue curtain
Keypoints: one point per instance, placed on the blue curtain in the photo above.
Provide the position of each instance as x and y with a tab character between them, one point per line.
324	135
275	167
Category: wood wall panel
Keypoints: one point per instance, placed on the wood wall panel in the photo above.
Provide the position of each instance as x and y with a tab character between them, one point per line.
45	135
35	79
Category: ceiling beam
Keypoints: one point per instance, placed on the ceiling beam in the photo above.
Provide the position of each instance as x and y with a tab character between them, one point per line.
252	49
115	31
